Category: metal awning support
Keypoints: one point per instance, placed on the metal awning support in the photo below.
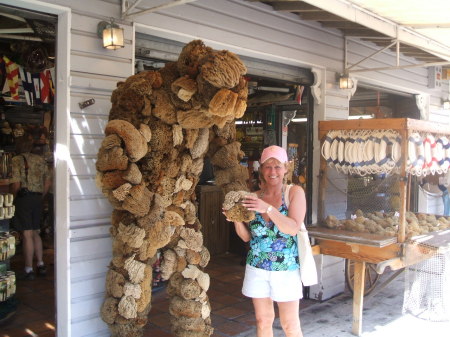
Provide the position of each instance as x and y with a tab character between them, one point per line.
368	57
356	14
348	69
127	7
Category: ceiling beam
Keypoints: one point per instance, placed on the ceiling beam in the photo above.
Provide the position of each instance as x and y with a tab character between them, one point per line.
293	6
342	24
362	33
320	16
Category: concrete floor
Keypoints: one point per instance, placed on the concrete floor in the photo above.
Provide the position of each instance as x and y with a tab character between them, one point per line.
232	313
382	316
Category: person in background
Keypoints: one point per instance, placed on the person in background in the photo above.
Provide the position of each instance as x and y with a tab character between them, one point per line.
272	266
444	182
30	182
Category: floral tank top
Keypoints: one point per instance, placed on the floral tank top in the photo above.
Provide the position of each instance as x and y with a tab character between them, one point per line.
271	249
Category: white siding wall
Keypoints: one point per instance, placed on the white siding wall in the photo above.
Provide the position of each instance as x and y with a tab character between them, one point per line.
244	27
94	73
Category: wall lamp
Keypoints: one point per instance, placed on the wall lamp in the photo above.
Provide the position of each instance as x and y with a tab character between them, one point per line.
345	82
446	104
111	34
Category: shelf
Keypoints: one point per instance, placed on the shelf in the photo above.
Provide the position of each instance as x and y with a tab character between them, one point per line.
366	239
383	124
4	182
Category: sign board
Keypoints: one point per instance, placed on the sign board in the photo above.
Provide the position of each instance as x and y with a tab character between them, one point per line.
434	77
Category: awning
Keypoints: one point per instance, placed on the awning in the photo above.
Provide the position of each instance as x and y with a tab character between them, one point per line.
377	23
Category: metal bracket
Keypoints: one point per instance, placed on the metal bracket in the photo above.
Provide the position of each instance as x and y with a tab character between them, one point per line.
288	116
86	103
128	6
396	42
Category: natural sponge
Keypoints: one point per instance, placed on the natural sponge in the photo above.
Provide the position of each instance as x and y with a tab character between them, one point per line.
135	142
234	210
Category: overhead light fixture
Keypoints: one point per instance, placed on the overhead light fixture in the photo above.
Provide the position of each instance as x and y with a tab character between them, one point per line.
360	117
345	82
111	34
446	104
300	120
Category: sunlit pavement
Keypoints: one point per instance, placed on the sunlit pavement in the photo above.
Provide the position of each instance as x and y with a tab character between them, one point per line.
382	317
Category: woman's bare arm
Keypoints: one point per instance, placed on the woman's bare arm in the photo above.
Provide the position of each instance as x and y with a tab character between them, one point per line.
289	224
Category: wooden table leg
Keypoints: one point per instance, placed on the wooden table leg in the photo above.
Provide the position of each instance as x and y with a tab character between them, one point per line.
358	296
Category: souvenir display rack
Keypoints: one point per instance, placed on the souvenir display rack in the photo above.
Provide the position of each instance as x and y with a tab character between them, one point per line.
8	302
385	251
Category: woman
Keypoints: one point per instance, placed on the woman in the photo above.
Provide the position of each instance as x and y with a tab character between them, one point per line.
272	270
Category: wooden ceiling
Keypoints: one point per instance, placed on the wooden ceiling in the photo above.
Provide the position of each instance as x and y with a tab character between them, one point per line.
349	29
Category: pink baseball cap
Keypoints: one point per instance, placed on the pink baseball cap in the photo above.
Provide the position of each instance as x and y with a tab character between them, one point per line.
274	152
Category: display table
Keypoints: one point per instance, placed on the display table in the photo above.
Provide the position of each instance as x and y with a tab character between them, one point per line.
395	252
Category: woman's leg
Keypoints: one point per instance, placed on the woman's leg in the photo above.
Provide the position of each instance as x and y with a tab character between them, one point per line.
265	315
289	318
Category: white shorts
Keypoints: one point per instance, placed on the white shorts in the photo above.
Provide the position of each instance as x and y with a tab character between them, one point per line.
280	286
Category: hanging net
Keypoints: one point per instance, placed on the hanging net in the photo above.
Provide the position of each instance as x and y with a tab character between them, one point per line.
427	283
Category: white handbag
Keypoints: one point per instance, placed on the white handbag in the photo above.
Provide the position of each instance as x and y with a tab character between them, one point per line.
308	271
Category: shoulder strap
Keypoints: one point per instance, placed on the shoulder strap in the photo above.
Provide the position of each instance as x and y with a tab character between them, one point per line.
26	167
286	195
286	200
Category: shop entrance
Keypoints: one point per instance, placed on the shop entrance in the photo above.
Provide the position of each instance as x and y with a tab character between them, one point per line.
27	84
275	91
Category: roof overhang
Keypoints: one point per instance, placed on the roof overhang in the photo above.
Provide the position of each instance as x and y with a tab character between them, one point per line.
352	13
356	22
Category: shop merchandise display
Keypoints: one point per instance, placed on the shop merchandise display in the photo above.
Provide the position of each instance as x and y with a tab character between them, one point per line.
7	251
372	160
161	126
386	224
368	205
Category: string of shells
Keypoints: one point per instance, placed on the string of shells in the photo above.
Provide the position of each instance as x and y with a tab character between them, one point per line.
386	224
362	152
161	126
365	152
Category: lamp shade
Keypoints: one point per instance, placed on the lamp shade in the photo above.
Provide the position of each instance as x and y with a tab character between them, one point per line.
113	37
345	82
111	34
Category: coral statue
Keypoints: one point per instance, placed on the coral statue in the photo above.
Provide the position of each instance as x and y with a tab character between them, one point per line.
161	125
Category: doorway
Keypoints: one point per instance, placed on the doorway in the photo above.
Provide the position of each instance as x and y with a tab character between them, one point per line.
27	109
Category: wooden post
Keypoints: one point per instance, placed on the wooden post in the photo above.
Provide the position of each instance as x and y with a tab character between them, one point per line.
322	188
358	296
322	180
403	187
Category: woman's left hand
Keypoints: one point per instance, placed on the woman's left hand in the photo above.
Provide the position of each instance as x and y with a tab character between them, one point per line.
256	204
